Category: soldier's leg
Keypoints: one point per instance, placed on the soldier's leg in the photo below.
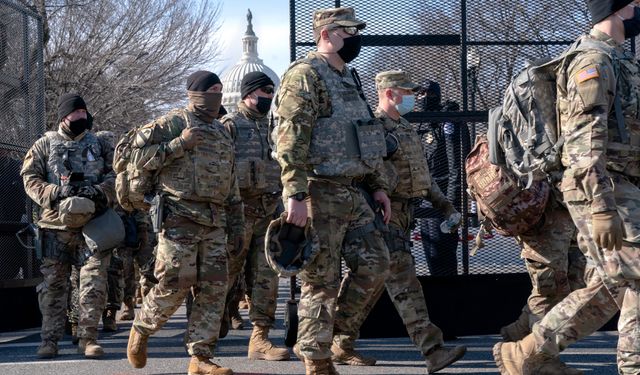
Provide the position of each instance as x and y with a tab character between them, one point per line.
264	285
115	283
128	273
73	309
175	270
93	290
144	257
330	213
577	267
237	261
209	294
629	331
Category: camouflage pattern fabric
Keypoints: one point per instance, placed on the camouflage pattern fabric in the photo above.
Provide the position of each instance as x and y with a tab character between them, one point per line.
54	290
189	255
140	257
115	283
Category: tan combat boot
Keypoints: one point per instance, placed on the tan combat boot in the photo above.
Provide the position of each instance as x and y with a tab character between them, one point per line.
544	364
516	330
510	356
128	312
90	348
109	320
137	348
441	357
261	348
48	349
320	367
204	366
331	370
350	357
236	320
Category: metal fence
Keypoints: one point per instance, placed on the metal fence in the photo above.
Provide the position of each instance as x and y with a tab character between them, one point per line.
472	49
22	121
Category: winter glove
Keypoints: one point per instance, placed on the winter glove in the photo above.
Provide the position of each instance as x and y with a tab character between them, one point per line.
607	230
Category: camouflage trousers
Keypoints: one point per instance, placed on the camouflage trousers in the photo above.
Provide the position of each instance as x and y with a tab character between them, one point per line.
335	210
190	257
261	280
554	263
614	284
141	257
63	250
403	288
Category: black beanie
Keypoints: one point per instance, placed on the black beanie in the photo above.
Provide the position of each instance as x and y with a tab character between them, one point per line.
601	9
201	80
253	81
68	103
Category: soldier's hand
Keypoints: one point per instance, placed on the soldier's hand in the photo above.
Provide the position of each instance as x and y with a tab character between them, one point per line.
297	212
381	197
607	230
91	192
191	137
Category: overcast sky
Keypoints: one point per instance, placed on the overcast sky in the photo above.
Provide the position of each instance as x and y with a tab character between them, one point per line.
271	25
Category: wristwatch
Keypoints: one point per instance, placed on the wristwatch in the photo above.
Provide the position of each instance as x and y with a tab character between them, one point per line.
299	196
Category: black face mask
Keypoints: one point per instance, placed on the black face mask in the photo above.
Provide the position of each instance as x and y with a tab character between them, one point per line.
264	104
351	48
77	127
632	25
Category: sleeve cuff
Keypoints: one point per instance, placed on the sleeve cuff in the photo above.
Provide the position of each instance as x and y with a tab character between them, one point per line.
603	203
176	147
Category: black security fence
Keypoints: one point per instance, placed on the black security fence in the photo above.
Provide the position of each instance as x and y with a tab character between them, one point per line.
471	50
22	118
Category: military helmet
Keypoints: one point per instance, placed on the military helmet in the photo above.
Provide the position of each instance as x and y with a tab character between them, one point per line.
289	248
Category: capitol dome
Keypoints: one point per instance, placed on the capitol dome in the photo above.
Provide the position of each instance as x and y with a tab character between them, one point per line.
249	62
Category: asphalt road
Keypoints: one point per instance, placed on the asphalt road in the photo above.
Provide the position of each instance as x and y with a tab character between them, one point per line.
595	355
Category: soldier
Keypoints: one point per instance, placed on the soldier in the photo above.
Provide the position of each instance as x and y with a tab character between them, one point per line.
193	157
68	174
598	111
258	179
409	178
327	141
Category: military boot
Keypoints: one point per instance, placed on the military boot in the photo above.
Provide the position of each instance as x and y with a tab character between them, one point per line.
74	334
204	366
90	348
261	348
128	312
516	330
137	348
236	320
48	349
510	356
441	357
320	367
350	357
331	368
109	320
544	364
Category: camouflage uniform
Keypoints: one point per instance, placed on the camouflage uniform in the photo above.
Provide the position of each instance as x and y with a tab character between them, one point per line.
201	199
321	154
141	256
45	168
601	175
258	179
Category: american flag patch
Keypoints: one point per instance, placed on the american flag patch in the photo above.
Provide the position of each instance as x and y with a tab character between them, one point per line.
587	74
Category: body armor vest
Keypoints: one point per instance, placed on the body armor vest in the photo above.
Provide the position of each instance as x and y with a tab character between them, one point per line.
348	142
414	179
204	173
69	156
256	171
625	157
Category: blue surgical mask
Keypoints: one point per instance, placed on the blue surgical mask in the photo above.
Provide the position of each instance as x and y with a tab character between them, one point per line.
407	104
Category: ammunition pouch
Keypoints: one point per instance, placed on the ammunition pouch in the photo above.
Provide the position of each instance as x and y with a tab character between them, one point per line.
156	211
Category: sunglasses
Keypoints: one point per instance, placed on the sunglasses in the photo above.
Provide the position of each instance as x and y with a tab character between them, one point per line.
267	90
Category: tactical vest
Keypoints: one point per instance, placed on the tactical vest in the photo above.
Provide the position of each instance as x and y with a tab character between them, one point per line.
347	142
203	174
256	171
414	179
624	157
67	156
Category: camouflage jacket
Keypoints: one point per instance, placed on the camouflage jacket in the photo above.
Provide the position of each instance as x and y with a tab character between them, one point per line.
406	170
198	181
592	145
302	101
43	169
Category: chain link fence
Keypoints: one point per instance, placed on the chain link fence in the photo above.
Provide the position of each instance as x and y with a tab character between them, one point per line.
22	121
471	50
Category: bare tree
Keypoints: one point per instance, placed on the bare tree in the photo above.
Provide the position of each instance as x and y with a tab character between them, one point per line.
128	58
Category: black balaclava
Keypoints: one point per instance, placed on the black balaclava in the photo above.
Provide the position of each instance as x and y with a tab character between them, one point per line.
433	96
205	105
351	48
68	103
632	25
601	9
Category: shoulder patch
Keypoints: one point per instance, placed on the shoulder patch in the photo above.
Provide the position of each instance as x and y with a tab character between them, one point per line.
586	74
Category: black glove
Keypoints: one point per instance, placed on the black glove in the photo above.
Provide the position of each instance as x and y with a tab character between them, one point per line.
65	191
91	192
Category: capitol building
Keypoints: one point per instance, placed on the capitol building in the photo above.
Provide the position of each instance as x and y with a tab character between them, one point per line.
249	62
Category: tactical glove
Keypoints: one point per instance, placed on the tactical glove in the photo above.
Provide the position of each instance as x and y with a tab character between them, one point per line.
90	192
191	137
607	230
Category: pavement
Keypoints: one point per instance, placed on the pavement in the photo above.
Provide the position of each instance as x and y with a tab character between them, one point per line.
595	355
